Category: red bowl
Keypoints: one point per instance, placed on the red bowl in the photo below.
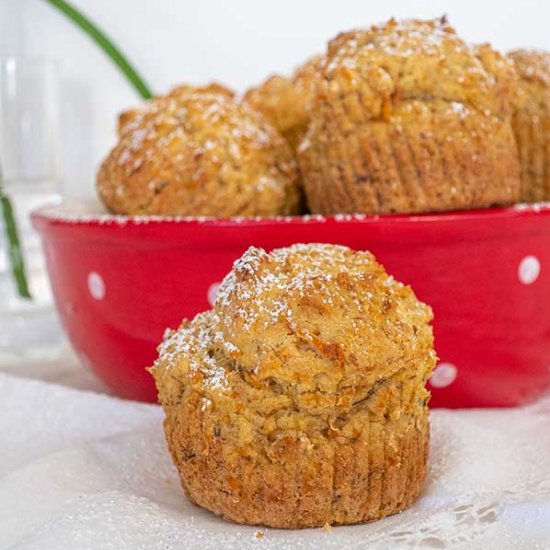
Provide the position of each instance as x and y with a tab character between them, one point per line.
119	282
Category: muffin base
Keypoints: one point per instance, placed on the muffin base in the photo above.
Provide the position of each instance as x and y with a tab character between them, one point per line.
532	129
294	481
428	156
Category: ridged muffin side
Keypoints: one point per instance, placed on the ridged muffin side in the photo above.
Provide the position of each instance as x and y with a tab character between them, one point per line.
300	399
531	122
408	118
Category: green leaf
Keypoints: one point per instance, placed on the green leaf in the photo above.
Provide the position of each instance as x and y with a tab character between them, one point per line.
14	246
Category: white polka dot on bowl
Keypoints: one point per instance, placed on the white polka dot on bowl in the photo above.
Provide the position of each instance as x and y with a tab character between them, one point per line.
212	293
529	270
96	286
444	375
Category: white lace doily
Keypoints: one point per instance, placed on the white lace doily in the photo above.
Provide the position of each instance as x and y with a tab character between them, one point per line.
87	471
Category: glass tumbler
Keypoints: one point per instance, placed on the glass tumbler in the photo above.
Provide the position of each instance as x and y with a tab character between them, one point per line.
29	178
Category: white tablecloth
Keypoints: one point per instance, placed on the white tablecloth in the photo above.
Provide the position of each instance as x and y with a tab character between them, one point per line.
84	470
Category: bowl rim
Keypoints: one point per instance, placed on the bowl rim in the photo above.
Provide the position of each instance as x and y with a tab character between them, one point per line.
67	213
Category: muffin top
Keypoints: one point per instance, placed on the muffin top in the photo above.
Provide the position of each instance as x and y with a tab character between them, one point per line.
533	70
411	60
532	65
182	90
286	102
317	328
199	153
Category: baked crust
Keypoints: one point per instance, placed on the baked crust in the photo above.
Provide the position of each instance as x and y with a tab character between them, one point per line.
300	399
286	102
531	122
408	118
199	154
215	88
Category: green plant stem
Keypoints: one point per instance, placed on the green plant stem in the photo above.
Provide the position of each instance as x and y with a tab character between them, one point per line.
116	56
14	246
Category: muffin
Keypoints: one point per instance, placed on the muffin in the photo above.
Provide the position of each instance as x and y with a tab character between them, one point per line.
128	116
286	102
408	118
299	399
531	122
199	154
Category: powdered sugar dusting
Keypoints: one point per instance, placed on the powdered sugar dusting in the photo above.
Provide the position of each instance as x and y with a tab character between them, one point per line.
76	212
468	77
194	344
262	284
230	146
277	311
532	207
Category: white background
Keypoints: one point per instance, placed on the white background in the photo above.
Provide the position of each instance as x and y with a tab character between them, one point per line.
237	42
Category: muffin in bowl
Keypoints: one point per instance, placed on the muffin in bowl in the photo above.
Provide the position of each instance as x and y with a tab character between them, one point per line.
408	118
199	153
531	122
299	399
286	102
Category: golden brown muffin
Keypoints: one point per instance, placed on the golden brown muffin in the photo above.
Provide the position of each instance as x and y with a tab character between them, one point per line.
200	154
531	122
126	117
299	400
286	102
408	118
